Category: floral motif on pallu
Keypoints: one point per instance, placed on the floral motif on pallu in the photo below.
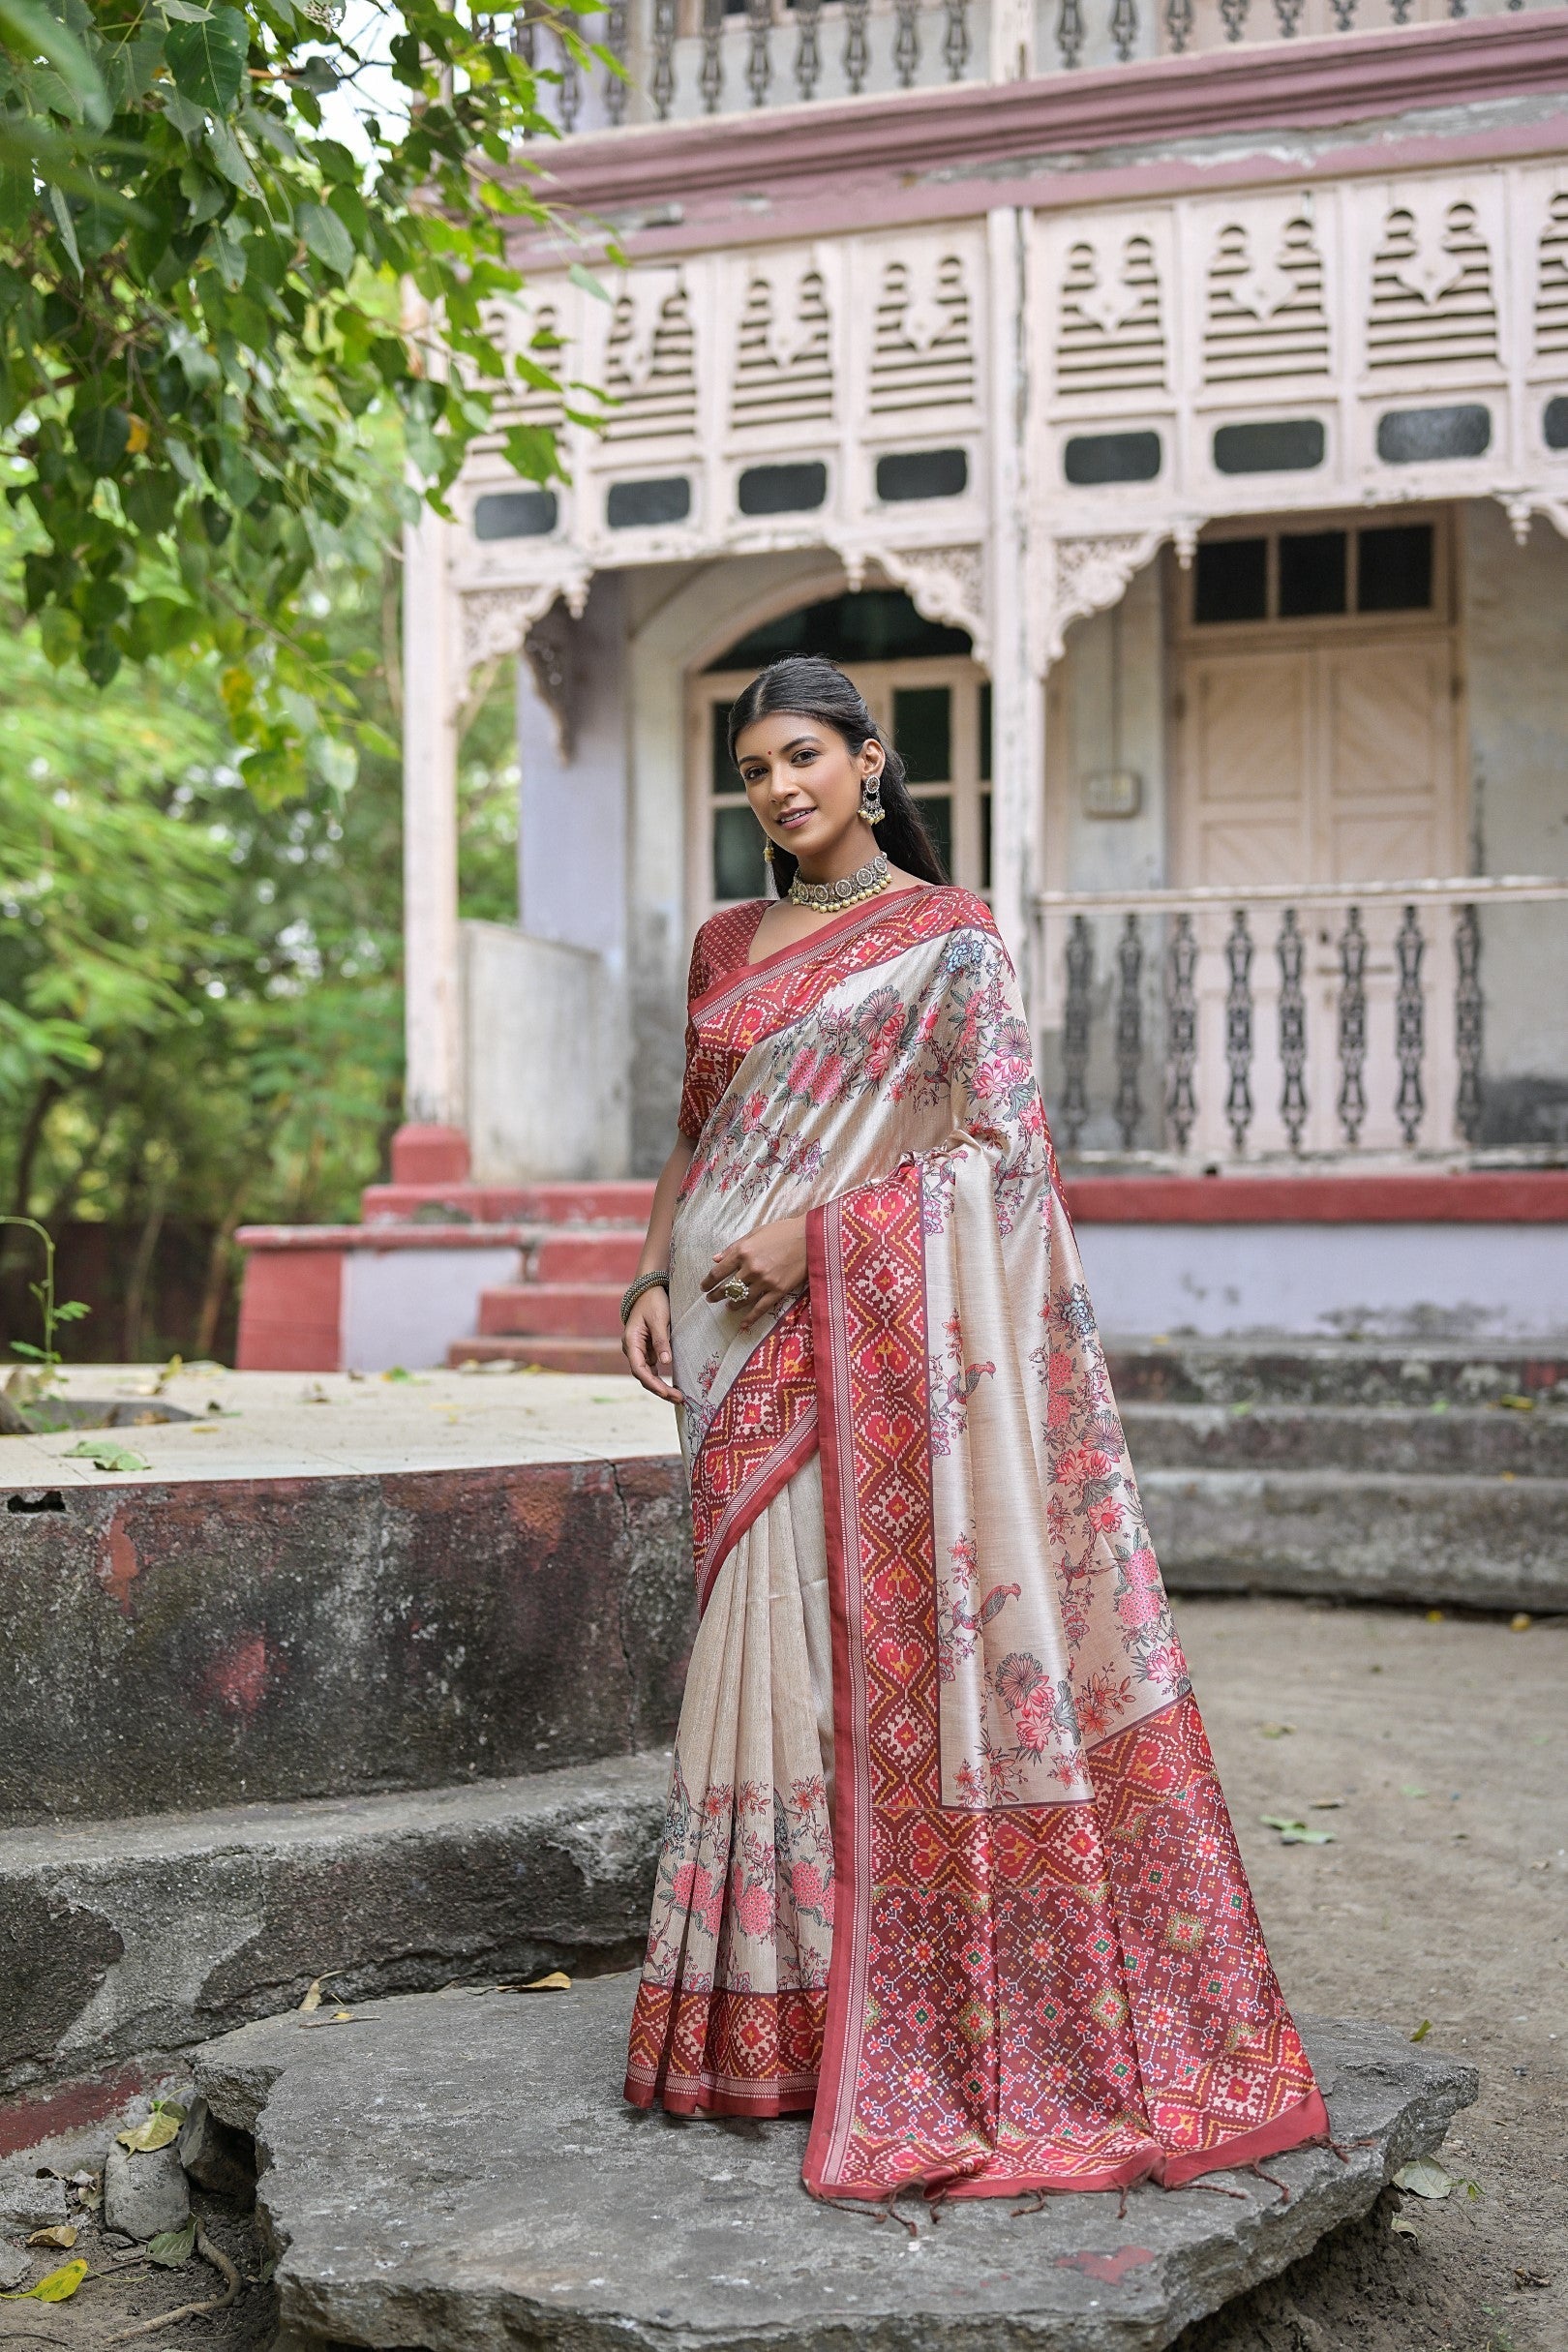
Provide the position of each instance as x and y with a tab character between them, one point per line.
1047	1970
755	1441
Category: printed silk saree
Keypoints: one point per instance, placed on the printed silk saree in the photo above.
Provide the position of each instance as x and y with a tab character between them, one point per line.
945	1860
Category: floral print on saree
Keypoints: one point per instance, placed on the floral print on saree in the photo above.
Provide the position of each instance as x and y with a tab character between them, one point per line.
1040	1960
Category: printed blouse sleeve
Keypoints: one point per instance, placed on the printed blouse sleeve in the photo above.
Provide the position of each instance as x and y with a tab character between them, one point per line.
693	1113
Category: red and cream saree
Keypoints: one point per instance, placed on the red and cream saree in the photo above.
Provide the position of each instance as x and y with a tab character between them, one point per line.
945	1860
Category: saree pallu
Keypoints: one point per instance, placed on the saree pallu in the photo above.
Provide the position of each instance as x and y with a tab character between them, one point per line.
946	1859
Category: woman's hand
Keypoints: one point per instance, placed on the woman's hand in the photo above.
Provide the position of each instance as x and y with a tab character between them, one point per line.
645	1345
771	1262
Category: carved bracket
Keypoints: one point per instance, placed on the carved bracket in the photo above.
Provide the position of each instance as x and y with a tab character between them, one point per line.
495	621
1091	575
945	584
1522	506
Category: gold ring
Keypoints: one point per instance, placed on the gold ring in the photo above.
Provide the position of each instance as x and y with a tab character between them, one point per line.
735	1290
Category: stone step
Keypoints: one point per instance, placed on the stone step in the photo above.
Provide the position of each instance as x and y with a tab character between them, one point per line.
587	1255
568	1310
502	2194
1480	1543
134	1935
1277	1369
1422	1441
601	1357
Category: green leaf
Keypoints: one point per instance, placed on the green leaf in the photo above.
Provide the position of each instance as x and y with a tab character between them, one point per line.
58	2287
1425	2177
30	30
229	157
325	236
104	1453
206	58
171	2246
590	285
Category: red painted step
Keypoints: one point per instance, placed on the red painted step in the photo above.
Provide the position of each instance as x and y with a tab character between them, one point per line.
593	1255
576	1311
558	1355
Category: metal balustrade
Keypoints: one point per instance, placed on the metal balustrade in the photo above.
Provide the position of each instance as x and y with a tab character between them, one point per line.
1321	1019
680	60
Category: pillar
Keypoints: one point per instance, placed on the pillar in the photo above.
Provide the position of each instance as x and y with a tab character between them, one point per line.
1017	680
432	1146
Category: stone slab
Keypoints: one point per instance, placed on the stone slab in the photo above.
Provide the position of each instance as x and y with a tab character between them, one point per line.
127	1938
459	2173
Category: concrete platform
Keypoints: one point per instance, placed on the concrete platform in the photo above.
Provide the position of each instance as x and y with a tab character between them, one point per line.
459	2173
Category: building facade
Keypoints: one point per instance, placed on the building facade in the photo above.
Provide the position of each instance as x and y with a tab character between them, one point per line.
1165	417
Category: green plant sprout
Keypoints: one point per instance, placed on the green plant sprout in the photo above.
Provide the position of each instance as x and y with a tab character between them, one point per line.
52	1312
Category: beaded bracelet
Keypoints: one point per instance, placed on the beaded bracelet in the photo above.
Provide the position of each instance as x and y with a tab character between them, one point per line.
644	1281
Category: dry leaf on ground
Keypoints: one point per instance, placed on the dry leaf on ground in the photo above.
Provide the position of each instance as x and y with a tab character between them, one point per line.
62	2235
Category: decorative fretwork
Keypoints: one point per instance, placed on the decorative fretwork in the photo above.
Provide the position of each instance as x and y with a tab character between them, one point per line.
1070	31
1181	1030
1129	1031
759	49
857	49
1433	302
1410	1026
1353	1042
1080	975
1264	314
956	41
1239	1028
1110	333
1291	949
1469	1014
906	42
808	47
661	85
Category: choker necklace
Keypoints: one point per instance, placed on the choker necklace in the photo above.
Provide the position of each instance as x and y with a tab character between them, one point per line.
831	898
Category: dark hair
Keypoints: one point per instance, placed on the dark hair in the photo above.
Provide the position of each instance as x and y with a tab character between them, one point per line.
811	686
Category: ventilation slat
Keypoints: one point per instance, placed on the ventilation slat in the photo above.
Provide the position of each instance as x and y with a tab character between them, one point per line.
936	371
1457	326
1127	356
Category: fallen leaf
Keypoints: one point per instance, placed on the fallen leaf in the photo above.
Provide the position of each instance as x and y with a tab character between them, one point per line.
1327	1804
1520	1623
312	1991
108	1454
1275	1730
1413	1792
159	2127
337	2017
1403	2228
557	1982
171	2246
1517	1405
62	2235
58	2287
1436	1616
1294	1832
1425	2177
1531	2278
1422	2030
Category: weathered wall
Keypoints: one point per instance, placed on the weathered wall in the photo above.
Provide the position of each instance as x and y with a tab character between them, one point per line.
210	1643
547	1079
1516	632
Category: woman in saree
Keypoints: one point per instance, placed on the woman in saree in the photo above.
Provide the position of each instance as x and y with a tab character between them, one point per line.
944	1861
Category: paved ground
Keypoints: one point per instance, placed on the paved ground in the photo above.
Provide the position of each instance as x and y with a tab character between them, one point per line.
305	1424
1444	1896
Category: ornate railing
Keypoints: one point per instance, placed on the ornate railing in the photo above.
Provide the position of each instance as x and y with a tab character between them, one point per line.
1288	1020
681	59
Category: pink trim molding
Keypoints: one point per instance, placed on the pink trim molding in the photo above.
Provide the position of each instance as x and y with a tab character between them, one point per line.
1465	1196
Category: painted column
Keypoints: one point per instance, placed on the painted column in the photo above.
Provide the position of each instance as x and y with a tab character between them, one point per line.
1018	681
432	1146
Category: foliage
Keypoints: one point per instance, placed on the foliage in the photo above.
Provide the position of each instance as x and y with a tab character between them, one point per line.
51	1312
205	300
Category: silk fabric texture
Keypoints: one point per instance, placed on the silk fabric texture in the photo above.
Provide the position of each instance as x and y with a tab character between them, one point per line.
944	1859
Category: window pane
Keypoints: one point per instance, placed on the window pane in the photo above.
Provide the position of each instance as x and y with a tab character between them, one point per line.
1233	580
936	812
985	732
922	731
726	774
1312	572
1394	569
738	855
985	840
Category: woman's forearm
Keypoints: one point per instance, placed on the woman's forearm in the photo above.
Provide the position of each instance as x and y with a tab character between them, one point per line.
656	1248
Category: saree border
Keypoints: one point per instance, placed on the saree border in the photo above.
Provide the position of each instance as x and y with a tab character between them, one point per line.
762	1462
801	951
1303	2122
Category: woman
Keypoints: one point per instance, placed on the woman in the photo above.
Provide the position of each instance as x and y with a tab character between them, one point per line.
944	1859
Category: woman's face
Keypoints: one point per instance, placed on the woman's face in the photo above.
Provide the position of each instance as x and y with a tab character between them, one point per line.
805	783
